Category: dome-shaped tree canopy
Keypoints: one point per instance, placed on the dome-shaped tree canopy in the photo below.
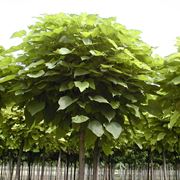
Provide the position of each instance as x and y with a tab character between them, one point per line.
82	68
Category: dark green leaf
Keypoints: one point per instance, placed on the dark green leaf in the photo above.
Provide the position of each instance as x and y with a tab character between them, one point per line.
35	106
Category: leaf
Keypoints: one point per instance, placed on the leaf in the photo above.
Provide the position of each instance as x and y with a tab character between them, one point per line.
113	43
176	80
51	65
18	34
37	74
2	88
174	118
65	101
87	41
139	144
109	114
83	58
63	51
135	108
96	127
64	39
91	84
114	128
107	149
80	72
7	78
81	85
117	82
99	99
115	104
35	106
79	119
90	138
97	53
35	64
161	136
66	86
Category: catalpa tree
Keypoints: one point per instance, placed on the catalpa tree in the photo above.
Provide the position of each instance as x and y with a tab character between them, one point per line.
81	72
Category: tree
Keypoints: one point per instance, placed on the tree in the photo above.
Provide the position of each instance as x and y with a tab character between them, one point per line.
82	72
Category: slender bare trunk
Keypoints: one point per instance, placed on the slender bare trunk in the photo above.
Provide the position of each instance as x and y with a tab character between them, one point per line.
164	165
74	170
81	154
58	168
96	160
42	167
18	168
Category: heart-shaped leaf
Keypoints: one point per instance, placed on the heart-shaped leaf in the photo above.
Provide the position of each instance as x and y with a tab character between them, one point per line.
65	101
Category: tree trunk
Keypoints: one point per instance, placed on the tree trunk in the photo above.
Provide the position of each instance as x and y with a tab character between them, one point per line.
81	154
164	165
75	170
29	170
151	161
11	168
67	166
71	171
22	170
42	167
18	168
58	168
96	155
148	168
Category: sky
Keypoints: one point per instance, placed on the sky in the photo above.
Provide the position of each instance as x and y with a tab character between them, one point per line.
159	20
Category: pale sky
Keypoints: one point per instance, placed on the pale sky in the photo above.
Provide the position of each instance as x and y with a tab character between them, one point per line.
159	20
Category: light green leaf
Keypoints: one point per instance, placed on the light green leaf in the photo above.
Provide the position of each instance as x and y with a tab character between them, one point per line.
139	144
35	136
65	101
114	128
113	43
63	51
82	104
35	106
79	119
18	34
87	41
99	99
161	136
117	82
176	80
7	78
174	118
51	65
35	64
115	104
81	85
96	127
97	53
37	74
83	58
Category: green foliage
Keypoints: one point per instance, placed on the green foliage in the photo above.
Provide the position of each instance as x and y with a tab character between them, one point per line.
83	70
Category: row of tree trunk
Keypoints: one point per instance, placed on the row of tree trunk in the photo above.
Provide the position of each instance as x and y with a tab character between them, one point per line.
68	170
